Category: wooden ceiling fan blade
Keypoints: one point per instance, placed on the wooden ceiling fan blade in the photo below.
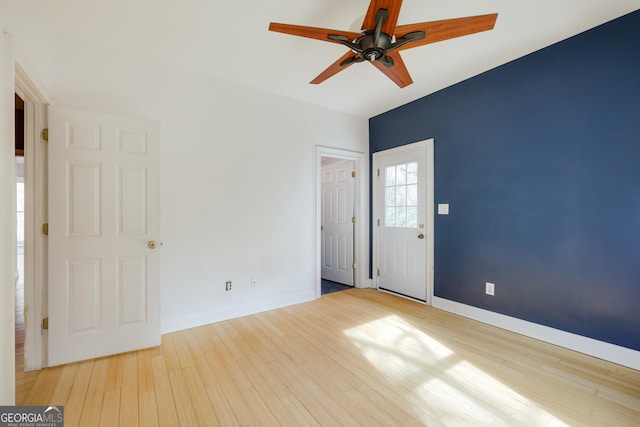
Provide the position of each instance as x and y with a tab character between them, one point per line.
398	73
336	67
446	29
393	9
311	32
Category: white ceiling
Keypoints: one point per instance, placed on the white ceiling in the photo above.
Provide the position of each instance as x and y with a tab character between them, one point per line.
230	40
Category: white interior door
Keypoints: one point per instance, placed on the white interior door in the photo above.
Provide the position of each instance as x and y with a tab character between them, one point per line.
404	226
337	224
103	226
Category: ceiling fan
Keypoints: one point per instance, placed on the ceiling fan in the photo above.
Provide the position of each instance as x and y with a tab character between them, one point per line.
382	40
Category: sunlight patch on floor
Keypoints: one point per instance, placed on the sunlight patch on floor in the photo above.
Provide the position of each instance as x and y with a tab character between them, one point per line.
439	383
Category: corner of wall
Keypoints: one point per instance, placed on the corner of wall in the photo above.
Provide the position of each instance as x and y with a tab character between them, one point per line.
232	312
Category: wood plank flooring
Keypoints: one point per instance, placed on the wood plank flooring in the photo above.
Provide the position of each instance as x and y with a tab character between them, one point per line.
357	357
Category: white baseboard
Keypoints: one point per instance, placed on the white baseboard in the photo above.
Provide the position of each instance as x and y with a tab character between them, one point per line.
602	350
199	319
366	284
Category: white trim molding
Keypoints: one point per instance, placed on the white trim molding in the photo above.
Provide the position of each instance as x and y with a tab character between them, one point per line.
35	259
600	349
30	87
28	84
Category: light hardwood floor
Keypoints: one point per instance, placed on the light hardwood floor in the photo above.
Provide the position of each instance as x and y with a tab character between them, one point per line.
357	357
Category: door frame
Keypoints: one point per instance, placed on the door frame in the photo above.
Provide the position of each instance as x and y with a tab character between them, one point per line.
360	241
35	255
16	73
29	87
377	204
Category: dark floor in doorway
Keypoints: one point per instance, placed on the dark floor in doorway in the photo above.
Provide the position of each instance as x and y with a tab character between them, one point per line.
328	286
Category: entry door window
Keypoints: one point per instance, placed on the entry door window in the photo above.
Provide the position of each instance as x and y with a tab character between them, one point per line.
401	195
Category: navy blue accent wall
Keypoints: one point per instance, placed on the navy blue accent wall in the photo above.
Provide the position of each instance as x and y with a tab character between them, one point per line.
539	160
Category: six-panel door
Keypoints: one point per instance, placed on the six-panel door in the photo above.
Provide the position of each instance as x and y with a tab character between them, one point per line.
103	213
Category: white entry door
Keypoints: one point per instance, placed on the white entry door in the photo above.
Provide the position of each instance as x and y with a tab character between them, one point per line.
404	218
337	224
104	233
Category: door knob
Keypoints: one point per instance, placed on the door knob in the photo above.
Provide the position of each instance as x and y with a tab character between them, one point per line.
420	236
152	244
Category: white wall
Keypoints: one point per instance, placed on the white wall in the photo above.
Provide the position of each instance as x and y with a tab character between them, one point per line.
238	179
32	43
7	227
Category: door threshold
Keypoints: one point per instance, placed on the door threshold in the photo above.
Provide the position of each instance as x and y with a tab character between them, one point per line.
388	291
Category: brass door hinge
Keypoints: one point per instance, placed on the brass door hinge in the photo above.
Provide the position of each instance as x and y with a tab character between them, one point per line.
378	272
45	229
353	219
45	323
353	266
45	134
353	174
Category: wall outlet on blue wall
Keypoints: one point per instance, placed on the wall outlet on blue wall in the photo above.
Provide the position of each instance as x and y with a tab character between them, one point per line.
490	288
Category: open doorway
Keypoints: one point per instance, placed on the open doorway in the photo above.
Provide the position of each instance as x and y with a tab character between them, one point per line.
20	233
337	255
20	246
350	168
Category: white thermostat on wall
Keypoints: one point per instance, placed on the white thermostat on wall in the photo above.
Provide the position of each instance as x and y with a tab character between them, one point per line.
443	208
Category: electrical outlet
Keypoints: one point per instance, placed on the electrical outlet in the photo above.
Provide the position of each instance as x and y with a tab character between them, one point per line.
252	282
228	286
490	288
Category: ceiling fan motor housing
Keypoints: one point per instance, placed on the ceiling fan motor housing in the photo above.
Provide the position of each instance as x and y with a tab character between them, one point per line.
372	51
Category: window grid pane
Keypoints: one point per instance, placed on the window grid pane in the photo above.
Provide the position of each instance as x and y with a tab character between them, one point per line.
412	173
412	195
412	217
401	195
391	176
390	217
391	196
